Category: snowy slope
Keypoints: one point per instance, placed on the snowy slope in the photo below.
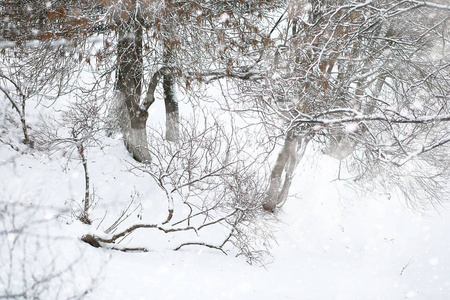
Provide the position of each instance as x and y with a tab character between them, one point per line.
331	244
328	248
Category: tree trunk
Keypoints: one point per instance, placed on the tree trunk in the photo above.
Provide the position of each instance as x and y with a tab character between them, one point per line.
171	103
129	84
84	217
170	97
135	135
287	160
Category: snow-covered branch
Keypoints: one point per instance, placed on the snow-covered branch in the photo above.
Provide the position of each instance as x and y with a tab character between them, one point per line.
394	119
430	4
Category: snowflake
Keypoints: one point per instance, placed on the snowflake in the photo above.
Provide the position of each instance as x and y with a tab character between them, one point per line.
224	17
276	76
417	105
11	237
411	294
434	261
307	7
351	127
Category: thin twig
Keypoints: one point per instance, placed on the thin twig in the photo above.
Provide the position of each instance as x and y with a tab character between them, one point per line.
407	264
201	244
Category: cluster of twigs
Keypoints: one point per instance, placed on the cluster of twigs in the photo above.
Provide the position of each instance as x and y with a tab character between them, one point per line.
209	172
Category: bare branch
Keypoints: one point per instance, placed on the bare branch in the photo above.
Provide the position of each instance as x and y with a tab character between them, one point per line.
429	4
201	244
150	96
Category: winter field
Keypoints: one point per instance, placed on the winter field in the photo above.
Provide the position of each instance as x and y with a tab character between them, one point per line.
330	244
260	149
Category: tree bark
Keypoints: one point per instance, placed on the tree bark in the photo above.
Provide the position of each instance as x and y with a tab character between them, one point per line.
129	84
84	217
171	104
170	96
287	160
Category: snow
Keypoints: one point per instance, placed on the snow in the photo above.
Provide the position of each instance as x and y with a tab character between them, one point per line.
351	127
224	17
331	244
6	44
417	105
307	7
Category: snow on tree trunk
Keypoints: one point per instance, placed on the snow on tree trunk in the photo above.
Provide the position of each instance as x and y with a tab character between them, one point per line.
171	103
129	84
84	217
137	144
287	160
134	132
170	96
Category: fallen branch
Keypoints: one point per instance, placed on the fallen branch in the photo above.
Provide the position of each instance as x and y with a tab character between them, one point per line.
201	244
169	217
94	240
131	249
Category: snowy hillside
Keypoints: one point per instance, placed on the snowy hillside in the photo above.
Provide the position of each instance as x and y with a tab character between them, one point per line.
198	150
330	245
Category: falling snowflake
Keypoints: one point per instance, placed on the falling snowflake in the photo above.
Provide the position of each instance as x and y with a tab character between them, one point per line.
307	7
411	294
417	105
49	216
351	127
434	261
387	52
11	237
224	17
276	76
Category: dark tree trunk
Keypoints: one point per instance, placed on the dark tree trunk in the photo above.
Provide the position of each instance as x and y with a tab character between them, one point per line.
170	96
129	85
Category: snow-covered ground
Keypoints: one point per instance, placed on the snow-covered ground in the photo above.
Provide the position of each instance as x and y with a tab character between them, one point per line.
330	244
328	248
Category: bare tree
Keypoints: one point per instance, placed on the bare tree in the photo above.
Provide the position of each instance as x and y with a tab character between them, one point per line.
78	129
34	61
144	43
179	40
33	266
367	80
140	49
211	181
